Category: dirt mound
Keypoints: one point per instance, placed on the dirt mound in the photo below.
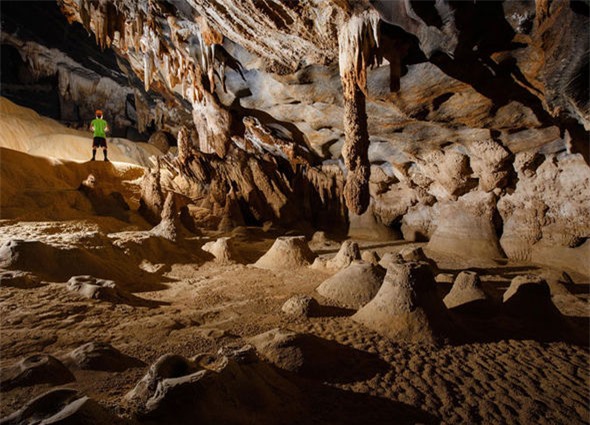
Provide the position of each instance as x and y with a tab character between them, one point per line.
223	250
102	356
228	389
316	358
353	286
62	406
34	370
407	307
286	253
468	293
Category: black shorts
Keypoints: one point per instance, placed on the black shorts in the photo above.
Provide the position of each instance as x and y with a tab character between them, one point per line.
99	142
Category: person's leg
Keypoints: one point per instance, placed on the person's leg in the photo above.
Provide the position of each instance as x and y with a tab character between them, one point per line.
94	147
104	149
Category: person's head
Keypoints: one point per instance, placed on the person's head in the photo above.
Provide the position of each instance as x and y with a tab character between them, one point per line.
98	113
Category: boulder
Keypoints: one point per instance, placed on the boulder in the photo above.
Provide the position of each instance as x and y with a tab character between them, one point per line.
407	306
354	285
286	253
300	306
102	356
97	289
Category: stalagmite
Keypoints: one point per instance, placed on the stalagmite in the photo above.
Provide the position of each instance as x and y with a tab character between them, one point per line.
357	41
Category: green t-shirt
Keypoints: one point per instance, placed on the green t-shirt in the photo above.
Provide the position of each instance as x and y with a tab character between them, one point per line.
99	126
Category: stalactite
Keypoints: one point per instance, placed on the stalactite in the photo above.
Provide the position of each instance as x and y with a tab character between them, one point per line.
358	41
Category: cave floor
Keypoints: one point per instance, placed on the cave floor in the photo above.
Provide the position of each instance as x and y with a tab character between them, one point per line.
198	307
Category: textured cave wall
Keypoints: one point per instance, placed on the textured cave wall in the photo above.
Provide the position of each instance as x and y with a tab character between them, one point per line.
58	70
477	113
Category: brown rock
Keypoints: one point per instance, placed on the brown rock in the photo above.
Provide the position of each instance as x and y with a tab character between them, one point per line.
354	285
407	306
286	253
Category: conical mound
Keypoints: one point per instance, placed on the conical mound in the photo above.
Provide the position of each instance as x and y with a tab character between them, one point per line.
348	252
223	250
353	286
407	307
467	293
287	252
528	296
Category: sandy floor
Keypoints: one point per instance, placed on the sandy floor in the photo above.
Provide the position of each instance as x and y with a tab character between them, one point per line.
491	374
206	307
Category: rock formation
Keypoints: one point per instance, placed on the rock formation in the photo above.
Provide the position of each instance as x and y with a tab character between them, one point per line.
223	250
97	289
354	285
102	356
348	252
407	306
437	120
34	370
286	253
18	279
62	405
301	306
467	293
228	388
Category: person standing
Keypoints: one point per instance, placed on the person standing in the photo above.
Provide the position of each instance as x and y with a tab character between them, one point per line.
99	126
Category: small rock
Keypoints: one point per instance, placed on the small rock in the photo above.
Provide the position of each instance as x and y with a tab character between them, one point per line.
300	306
